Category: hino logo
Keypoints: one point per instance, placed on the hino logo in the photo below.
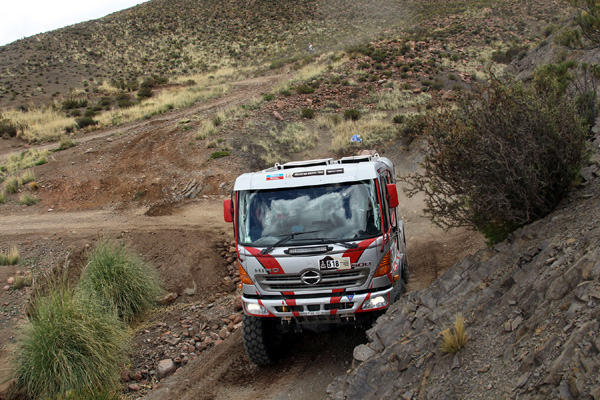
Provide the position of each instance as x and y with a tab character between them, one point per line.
311	277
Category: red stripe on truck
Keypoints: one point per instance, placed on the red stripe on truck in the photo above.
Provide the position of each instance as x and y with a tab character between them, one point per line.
355	254
268	262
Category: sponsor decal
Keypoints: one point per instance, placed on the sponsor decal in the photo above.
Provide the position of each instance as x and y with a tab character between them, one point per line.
350	297
274	177
335	171
307	173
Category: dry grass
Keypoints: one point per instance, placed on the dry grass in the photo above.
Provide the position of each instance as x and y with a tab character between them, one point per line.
398	98
454	338
10	257
23	160
40	124
173	99
373	130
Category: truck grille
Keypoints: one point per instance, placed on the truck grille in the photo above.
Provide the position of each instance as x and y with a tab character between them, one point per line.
329	280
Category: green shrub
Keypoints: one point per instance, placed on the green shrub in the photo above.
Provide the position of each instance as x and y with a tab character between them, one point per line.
506	57
8	129
2	197
84	122
308	113
220	154
268	97
116	277
28	200
353	115
285	92
70	104
145	92
398	119
69	348
496	171
304	89
66	143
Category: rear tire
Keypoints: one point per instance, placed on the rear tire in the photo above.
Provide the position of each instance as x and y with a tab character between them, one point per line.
264	343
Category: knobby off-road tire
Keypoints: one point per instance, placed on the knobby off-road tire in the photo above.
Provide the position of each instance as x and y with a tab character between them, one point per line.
264	344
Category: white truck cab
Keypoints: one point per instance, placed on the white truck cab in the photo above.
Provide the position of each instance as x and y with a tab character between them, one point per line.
319	243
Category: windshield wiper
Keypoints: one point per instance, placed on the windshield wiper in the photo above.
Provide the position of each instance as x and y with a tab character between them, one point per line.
283	240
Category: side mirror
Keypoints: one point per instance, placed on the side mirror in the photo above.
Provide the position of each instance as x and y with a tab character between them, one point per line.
228	210
392	195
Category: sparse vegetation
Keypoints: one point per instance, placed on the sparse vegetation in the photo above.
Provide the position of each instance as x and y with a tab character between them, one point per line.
10	257
454	338
373	130
23	160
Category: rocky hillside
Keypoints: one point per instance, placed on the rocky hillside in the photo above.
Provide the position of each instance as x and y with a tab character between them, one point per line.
532	311
180	37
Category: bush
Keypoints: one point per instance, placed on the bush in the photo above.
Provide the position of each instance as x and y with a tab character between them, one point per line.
84	122
308	113
398	119
220	154
70	104
117	278
588	24
2	197
27	177
145	92
8	129
502	159
304	89
11	185
353	115
69	348
66	143
268	97
28	200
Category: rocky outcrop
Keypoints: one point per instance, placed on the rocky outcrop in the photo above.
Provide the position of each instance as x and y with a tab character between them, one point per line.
532	310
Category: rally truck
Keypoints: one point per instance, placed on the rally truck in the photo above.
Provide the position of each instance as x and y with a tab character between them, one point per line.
319	244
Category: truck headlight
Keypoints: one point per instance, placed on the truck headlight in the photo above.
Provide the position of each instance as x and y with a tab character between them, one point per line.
256	309
375	302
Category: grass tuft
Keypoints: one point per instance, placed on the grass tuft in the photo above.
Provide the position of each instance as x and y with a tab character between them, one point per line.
28	200
11	185
120	279
27	177
69	348
455	337
10	257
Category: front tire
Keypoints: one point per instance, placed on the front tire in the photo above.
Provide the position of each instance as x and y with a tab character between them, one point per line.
264	343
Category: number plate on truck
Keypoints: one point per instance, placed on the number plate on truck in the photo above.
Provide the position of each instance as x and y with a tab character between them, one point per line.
334	263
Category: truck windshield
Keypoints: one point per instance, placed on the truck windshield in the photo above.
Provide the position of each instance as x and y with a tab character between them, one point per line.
337	212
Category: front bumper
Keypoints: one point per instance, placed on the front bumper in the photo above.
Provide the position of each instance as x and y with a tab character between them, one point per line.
342	304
